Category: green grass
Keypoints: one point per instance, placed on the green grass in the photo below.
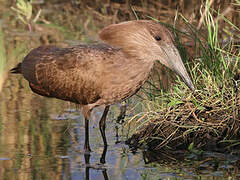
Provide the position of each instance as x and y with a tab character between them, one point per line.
23	11
177	118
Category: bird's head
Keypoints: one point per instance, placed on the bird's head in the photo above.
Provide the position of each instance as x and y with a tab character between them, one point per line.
149	41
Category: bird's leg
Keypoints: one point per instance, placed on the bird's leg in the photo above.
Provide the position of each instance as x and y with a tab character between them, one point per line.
105	175
102	125
123	109
86	145
86	113
87	164
102	159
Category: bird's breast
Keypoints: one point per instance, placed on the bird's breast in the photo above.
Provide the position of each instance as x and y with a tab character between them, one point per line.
125	82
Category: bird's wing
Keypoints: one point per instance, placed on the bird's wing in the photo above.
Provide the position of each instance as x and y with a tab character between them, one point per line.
64	73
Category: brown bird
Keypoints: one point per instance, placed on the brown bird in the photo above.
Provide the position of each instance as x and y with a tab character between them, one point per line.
102	74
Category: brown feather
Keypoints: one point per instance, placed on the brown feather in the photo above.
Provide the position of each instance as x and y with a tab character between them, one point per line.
98	74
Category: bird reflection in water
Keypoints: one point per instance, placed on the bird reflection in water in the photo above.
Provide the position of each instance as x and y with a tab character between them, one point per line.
88	166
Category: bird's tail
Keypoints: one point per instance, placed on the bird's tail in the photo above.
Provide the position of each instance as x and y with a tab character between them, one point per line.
17	69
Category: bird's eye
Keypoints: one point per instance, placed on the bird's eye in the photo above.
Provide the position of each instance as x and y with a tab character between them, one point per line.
158	38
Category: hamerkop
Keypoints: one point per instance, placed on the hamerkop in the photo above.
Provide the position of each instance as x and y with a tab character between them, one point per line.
102	74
